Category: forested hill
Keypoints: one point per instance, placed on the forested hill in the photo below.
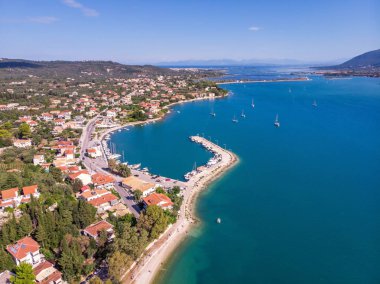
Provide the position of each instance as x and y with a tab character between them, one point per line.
369	59
21	67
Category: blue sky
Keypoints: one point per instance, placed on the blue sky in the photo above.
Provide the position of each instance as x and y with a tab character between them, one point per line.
149	31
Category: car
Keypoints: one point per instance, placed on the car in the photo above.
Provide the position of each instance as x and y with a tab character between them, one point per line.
158	180
136	175
168	179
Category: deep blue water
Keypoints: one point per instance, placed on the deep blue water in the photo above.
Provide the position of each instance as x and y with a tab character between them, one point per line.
303	204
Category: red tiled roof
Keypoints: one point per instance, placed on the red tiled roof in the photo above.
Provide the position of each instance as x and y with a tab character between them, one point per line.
101	179
50	278
22	247
76	175
102	200
96	228
29	189
157	198
9	193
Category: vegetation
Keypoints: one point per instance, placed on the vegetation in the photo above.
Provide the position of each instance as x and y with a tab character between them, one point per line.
24	274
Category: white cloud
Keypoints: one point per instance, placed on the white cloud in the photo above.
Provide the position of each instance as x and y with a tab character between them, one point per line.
254	29
85	10
43	20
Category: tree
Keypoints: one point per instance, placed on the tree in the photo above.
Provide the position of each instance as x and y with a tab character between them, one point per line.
77	185
24	274
112	164
25	225
6	261
154	221
84	214
24	130
56	173
117	264
96	280
123	170
137	194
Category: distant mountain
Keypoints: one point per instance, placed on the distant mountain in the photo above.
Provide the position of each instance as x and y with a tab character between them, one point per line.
232	62
367	60
21	67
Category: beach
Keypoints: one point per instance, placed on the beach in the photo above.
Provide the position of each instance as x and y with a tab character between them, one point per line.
149	265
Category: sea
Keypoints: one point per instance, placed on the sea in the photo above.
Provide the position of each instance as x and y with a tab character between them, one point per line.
303	203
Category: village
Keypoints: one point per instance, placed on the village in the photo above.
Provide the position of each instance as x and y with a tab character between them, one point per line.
60	127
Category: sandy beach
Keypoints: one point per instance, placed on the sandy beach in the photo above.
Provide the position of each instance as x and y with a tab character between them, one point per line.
150	264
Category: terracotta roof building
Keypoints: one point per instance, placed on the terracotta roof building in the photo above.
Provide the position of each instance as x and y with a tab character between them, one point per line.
26	250
158	199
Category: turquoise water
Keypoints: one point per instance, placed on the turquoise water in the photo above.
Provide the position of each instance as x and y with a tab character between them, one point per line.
303	204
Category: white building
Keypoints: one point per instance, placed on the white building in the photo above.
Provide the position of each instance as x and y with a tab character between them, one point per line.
26	250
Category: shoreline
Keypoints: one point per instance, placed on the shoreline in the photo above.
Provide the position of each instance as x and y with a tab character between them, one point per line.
153	120
148	266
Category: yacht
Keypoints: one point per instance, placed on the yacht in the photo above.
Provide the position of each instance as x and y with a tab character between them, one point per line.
218	220
276	122
242	114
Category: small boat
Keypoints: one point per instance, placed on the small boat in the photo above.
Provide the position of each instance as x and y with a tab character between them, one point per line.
253	104
234	120
178	111
213	114
314	103
218	220
276	122
242	114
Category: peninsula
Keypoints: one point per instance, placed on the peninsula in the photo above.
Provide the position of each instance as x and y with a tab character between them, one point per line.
54	120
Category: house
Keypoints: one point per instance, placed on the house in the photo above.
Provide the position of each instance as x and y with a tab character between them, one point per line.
22	143
26	250
83	175
46	116
111	113
45	273
94	152
158	199
94	230
104	202
28	192
9	198
102	181
133	183
38	159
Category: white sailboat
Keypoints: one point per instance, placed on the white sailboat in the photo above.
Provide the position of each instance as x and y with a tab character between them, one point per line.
253	104
235	120
242	114
315	103
212	113
277	122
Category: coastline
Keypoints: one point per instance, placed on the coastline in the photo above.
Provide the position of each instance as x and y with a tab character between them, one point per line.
152	120
146	269
147	266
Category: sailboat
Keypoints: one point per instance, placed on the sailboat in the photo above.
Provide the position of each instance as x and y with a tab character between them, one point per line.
276	122
235	120
242	114
212	113
252	104
315	103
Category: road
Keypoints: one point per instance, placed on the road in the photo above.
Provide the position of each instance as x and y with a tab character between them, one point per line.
100	165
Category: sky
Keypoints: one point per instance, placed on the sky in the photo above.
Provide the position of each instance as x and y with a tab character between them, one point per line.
151	31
